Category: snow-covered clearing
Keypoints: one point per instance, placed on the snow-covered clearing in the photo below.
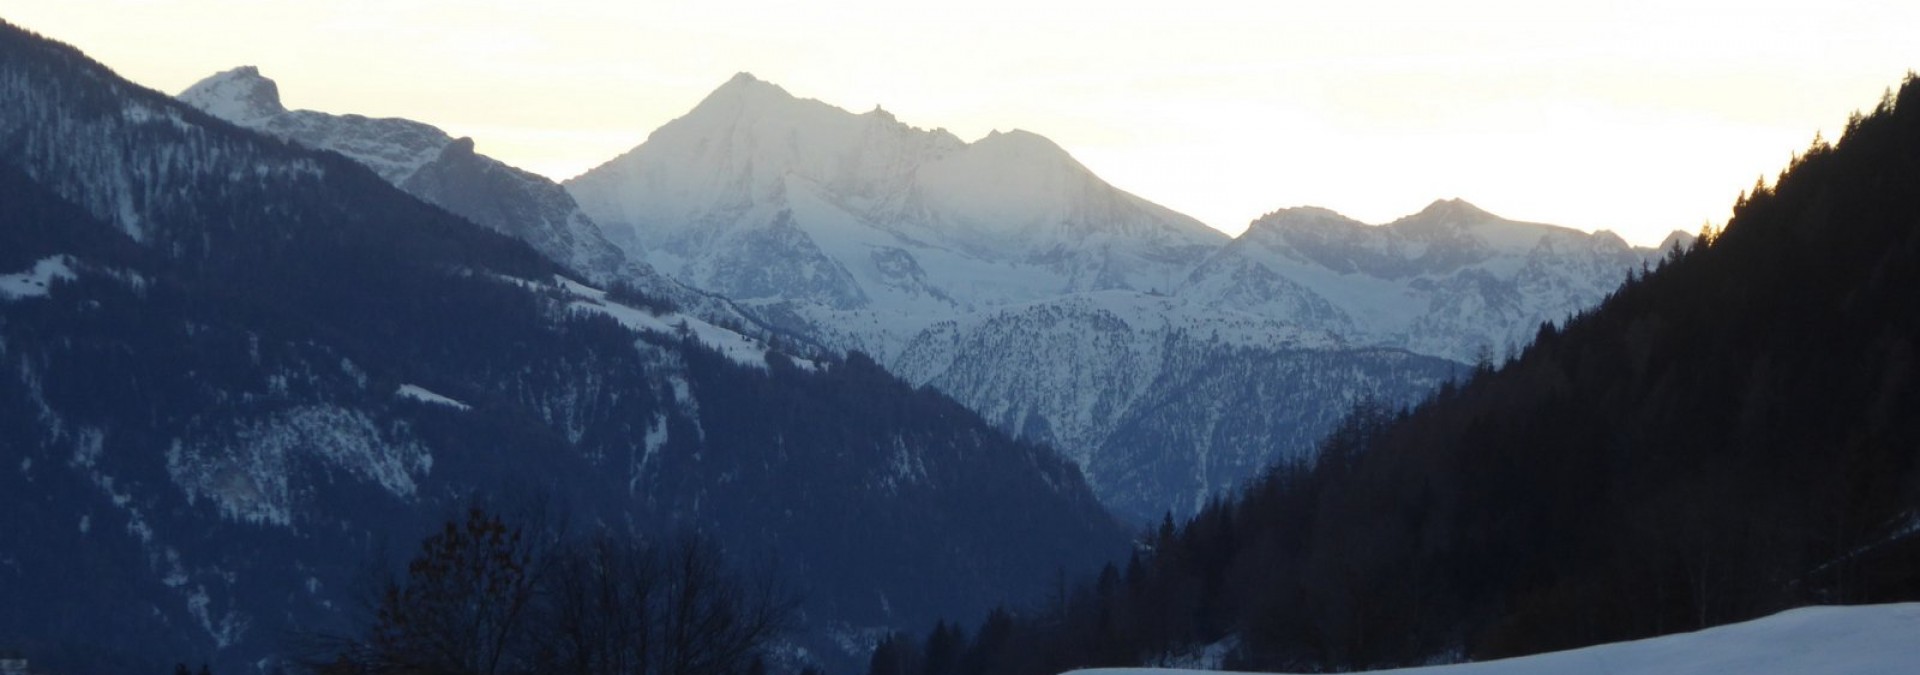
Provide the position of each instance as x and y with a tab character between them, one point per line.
1854	640
33	282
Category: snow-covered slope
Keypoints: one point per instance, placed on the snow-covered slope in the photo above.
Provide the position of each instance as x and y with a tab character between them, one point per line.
1855	640
1451	280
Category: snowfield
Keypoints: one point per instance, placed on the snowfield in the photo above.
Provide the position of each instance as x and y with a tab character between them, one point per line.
1853	640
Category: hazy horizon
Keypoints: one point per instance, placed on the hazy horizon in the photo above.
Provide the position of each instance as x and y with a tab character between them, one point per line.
1639	118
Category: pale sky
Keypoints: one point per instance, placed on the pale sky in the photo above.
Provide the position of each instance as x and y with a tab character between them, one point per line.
1635	116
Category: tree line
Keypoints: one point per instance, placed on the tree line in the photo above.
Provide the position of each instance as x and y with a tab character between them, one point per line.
486	595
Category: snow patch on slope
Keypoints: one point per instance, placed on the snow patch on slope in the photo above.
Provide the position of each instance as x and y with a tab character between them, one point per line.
423	395
35	281
740	348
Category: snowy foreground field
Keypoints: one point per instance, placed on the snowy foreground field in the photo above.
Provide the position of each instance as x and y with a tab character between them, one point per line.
1866	639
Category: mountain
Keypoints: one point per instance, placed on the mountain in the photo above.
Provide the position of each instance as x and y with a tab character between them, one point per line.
1168	400
1726	436
446	172
236	371
1067	311
1163	403
817	215
1451	281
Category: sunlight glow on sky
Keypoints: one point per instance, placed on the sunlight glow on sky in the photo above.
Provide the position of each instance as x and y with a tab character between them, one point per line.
1635	116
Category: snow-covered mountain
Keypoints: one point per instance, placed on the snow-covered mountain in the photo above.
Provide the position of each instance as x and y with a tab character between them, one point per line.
1451	281
862	229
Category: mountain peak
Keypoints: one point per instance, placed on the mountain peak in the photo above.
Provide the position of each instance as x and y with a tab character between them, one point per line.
1020	140
1456	217
1300	213
1455	210
743	87
238	95
1298	218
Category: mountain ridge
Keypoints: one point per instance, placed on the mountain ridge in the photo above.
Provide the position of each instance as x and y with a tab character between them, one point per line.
1451	280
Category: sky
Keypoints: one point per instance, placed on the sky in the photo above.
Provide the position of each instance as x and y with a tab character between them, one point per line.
1633	116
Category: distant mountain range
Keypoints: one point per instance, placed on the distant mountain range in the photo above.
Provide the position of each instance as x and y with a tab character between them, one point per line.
1451	281
1008	275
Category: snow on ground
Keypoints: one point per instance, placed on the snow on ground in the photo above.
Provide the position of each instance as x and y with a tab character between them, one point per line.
742	349
1853	640
33	283
419	393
